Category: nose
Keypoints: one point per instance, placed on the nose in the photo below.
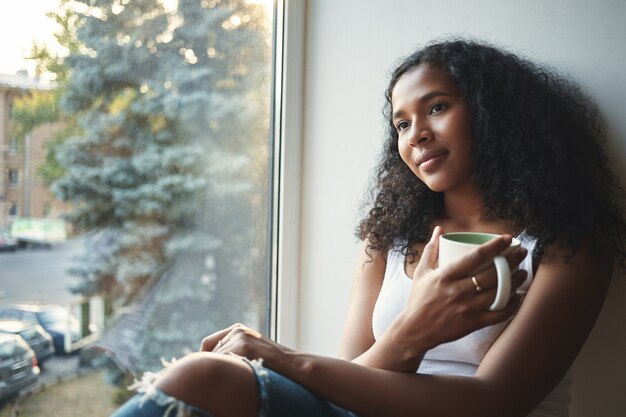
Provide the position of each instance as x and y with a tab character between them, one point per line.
420	136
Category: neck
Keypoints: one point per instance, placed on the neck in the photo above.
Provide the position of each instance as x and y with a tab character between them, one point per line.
464	210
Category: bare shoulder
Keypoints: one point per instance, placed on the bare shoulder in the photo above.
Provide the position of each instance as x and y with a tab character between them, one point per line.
369	255
369	272
371	263
589	265
573	281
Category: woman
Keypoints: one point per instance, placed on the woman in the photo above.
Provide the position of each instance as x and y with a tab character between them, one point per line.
479	140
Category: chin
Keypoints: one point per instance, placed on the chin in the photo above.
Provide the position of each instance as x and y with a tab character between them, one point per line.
436	186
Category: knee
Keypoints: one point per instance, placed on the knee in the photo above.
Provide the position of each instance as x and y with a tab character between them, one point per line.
212	371
210	381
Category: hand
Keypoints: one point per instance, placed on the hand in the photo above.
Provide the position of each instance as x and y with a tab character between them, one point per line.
241	340
443	303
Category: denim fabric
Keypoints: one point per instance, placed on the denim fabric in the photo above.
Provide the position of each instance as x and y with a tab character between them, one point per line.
155	403
280	397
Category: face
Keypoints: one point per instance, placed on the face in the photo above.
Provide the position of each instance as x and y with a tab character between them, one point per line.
434	128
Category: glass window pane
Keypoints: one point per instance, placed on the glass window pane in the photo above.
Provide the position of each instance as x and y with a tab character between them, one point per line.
144	185
13	178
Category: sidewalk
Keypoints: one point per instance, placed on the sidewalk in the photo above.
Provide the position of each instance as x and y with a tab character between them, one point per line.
64	390
84	396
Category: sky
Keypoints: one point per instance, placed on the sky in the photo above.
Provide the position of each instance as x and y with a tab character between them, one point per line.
25	21
21	23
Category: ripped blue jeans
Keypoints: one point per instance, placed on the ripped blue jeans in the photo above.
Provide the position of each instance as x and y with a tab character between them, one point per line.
279	397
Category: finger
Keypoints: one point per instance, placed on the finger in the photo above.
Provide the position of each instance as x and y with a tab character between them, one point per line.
431	250
519	277
488	277
489	317
485	297
210	342
508	311
515	257
478	257
237	334
253	333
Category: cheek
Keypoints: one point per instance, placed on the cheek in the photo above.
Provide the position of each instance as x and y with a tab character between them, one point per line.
403	148
406	156
405	153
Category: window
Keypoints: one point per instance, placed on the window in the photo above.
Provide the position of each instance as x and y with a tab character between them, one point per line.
13	209
13	145
14	178
164	160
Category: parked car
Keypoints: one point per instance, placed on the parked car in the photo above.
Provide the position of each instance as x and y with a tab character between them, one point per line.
37	338
18	365
53	318
7	242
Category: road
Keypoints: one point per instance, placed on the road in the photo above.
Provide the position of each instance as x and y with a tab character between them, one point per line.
39	275
58	366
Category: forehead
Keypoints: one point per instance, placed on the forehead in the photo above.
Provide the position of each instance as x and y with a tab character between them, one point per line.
420	81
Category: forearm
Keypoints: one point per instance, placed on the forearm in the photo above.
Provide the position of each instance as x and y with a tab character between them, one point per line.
401	348
376	392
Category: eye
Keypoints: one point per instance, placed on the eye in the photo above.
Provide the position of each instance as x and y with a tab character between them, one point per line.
401	125
436	108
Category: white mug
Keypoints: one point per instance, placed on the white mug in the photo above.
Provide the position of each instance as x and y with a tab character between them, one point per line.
452	246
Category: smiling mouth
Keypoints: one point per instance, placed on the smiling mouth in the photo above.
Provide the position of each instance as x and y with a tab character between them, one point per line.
429	158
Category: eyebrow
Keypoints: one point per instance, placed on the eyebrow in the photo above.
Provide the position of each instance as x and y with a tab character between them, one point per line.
424	98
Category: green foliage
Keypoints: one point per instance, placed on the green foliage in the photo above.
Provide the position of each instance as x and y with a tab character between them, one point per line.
168	163
36	109
32	110
52	170
42	107
46	61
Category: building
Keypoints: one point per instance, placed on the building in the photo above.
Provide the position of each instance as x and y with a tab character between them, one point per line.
22	191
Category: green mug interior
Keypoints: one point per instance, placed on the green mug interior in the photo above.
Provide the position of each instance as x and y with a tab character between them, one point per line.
469	238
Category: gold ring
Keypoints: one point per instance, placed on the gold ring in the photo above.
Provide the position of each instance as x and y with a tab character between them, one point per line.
476	285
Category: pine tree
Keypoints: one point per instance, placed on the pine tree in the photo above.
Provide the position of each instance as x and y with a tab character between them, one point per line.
170	169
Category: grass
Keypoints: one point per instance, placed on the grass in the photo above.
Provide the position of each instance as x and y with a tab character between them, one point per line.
85	396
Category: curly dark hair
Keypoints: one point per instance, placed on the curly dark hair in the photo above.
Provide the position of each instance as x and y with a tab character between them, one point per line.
537	155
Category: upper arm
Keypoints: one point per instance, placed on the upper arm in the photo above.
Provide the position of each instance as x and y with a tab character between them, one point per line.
541	342
357	335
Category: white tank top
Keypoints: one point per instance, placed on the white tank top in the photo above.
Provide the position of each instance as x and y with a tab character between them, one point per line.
462	356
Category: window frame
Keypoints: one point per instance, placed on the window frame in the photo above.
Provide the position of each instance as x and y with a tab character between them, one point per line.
287	170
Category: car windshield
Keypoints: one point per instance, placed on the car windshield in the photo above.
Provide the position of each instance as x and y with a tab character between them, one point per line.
52	316
29	333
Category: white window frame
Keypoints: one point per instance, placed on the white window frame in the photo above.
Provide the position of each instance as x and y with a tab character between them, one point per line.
287	176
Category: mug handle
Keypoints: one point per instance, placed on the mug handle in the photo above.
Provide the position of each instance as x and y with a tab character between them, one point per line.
503	291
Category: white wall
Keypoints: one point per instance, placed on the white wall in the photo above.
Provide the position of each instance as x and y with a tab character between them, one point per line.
350	47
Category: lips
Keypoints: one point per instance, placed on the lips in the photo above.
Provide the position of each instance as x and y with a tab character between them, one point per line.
430	155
